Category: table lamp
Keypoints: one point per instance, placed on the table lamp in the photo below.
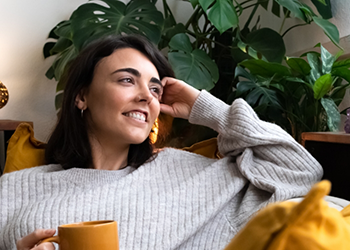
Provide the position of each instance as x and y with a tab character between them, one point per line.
4	95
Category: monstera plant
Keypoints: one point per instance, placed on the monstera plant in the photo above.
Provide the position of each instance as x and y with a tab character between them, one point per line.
204	51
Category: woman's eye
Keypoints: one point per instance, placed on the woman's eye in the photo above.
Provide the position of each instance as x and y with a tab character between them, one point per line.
157	91
127	80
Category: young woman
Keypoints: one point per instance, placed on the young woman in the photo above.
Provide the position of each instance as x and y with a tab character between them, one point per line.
101	164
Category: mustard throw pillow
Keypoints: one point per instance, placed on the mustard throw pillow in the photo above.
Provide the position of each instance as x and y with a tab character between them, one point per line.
23	150
308	225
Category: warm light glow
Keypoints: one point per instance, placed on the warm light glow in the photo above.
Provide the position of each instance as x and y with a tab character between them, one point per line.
4	95
154	134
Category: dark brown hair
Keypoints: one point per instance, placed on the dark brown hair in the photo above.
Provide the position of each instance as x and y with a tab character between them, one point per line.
69	143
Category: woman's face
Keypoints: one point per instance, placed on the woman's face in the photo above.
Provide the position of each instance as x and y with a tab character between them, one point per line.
122	101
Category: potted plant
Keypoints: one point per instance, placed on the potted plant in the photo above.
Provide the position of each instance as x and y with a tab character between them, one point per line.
204	51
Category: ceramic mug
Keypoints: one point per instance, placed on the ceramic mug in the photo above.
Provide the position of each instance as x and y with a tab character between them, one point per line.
89	235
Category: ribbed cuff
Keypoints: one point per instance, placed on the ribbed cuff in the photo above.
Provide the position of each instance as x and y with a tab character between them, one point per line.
208	110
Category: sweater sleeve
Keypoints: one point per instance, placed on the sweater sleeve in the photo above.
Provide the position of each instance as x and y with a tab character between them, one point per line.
265	154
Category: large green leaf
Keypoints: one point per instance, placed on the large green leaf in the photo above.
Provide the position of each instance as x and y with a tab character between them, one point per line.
342	72
257	92
324	8
329	29
333	115
62	32
299	65
194	67
265	69
181	42
294	7
47	49
92	20
341	64
322	86
240	71
327	61
267	42
62	60
222	14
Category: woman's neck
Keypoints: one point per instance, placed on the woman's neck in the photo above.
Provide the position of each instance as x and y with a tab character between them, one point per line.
108	156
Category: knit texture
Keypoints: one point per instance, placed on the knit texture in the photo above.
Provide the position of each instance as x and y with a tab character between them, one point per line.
179	200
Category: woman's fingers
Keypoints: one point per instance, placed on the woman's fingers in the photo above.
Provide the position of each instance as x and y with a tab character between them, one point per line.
29	241
178	97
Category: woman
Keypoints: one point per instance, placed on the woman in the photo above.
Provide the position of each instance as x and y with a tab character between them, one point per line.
101	164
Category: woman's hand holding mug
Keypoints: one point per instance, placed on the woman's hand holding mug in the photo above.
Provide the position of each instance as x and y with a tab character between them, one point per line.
31	241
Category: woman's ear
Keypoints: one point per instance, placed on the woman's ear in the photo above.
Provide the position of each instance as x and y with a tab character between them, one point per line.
80	100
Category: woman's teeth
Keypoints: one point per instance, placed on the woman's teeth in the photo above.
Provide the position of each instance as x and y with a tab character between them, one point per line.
137	116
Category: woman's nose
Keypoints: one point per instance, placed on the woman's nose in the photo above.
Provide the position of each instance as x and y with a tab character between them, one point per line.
144	94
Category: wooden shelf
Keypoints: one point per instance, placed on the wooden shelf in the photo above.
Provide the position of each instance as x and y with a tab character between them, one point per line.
11	124
334	137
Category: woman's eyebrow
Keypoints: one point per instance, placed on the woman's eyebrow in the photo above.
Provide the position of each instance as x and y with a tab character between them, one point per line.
135	72
155	80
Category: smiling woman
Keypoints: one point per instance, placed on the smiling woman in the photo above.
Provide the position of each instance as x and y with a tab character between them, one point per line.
112	82
102	166
121	102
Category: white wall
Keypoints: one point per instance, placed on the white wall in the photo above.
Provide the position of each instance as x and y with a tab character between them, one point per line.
24	27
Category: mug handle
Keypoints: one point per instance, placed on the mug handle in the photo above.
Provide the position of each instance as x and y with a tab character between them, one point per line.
55	239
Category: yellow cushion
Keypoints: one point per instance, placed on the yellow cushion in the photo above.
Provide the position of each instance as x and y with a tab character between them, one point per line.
308	225
207	148
23	150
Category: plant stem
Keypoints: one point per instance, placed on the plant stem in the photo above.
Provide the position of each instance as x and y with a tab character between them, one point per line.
194	14
284	20
251	16
302	24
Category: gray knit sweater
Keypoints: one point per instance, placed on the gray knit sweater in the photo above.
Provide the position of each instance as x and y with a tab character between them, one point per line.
179	200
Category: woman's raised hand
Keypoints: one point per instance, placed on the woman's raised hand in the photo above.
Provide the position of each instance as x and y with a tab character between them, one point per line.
30	241
178	98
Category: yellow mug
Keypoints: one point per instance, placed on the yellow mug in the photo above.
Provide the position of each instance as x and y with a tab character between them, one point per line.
89	235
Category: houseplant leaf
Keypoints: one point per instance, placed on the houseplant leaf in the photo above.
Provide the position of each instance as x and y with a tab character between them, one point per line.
268	42
62	60
338	93
294	7
257	93
322	86
256	90
316	67
222	13
342	72
265	69
93	20
341	64
324	8
329	29
333	115
299	65
327	61
194	67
